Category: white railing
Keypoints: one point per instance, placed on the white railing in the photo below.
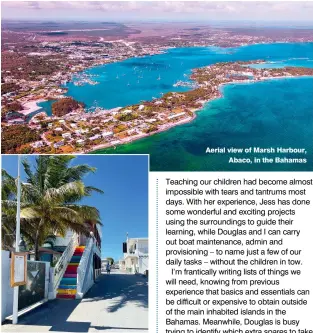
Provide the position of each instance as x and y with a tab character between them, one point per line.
61	265
82	269
96	250
97	272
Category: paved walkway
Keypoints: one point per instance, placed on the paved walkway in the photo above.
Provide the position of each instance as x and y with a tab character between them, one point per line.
116	303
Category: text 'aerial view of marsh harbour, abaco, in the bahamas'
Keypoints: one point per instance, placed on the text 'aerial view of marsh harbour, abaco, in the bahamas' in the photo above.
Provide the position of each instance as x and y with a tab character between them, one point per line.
205	86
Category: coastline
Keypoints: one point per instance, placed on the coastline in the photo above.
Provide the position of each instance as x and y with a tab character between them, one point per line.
194	111
140	136
31	106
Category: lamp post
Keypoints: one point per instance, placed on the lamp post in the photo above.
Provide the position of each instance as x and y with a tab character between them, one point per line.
17	237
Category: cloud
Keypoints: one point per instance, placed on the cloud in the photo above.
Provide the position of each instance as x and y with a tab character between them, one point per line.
151	9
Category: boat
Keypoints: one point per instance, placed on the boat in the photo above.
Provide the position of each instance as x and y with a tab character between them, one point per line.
159	78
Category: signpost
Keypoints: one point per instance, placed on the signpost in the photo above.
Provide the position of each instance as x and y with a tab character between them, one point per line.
17	243
18	269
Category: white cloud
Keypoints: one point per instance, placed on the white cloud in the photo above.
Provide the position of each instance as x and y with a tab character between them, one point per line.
150	9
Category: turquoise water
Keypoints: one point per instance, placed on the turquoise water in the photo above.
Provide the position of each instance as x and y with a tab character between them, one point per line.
305	62
136	79
271	113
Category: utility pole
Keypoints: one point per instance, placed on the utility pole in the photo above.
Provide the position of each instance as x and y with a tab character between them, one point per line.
17	238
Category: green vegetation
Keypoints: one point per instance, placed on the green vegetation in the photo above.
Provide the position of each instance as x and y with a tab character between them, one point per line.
119	128
65	105
8	88
127	116
151	128
14	106
50	201
15	136
110	260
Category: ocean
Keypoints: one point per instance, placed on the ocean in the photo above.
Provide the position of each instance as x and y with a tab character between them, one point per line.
271	113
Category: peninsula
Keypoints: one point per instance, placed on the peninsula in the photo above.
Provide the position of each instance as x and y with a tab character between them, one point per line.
38	62
76	131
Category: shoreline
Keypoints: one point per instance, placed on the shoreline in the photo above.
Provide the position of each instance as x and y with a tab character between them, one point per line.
194	111
31	106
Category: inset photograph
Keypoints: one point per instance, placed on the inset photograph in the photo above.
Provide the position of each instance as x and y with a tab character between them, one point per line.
74	247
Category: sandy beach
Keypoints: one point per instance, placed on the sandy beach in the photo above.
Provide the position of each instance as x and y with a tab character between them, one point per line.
31	106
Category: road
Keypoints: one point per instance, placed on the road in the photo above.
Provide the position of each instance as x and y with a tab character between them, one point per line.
117	302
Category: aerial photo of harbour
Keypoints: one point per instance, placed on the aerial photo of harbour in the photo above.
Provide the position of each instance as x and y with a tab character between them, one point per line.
186	84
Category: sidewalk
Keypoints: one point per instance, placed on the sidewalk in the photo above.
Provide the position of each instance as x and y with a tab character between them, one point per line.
118	302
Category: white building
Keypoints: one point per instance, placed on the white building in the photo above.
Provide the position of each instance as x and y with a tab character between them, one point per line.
80	141
66	135
136	255
37	144
95	137
107	134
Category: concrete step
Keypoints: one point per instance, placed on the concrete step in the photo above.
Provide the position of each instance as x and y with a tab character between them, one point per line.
66	296
67	275
66	291
68	281
71	269
75	259
68	286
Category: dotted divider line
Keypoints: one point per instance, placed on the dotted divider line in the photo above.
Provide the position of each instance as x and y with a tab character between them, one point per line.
157	255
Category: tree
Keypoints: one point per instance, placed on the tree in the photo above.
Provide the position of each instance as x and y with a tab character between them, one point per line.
110	260
50	199
64	106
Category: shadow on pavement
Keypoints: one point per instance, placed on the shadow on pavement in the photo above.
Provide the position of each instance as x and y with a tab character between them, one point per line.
120	288
55	314
103	328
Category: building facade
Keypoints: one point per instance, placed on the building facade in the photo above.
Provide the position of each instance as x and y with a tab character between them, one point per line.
136	255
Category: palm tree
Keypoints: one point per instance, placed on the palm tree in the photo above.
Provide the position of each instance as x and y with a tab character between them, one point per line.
50	199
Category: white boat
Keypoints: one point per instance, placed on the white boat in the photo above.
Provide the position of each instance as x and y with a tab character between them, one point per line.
159	78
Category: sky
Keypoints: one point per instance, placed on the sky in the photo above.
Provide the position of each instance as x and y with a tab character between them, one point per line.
124	204
159	10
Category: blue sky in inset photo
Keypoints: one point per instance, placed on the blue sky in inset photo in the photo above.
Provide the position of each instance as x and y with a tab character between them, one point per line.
124	204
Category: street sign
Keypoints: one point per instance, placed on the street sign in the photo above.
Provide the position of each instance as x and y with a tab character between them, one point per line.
18	269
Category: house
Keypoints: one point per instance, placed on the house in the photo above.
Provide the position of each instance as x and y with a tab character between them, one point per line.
58	144
66	135
37	144
59	129
73	125
80	141
106	135
136	255
176	115
127	111
76	259
95	137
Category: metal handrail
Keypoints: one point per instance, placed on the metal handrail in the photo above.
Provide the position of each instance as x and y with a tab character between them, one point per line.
66	256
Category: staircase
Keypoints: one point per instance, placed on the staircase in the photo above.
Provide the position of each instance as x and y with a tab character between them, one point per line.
68	283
